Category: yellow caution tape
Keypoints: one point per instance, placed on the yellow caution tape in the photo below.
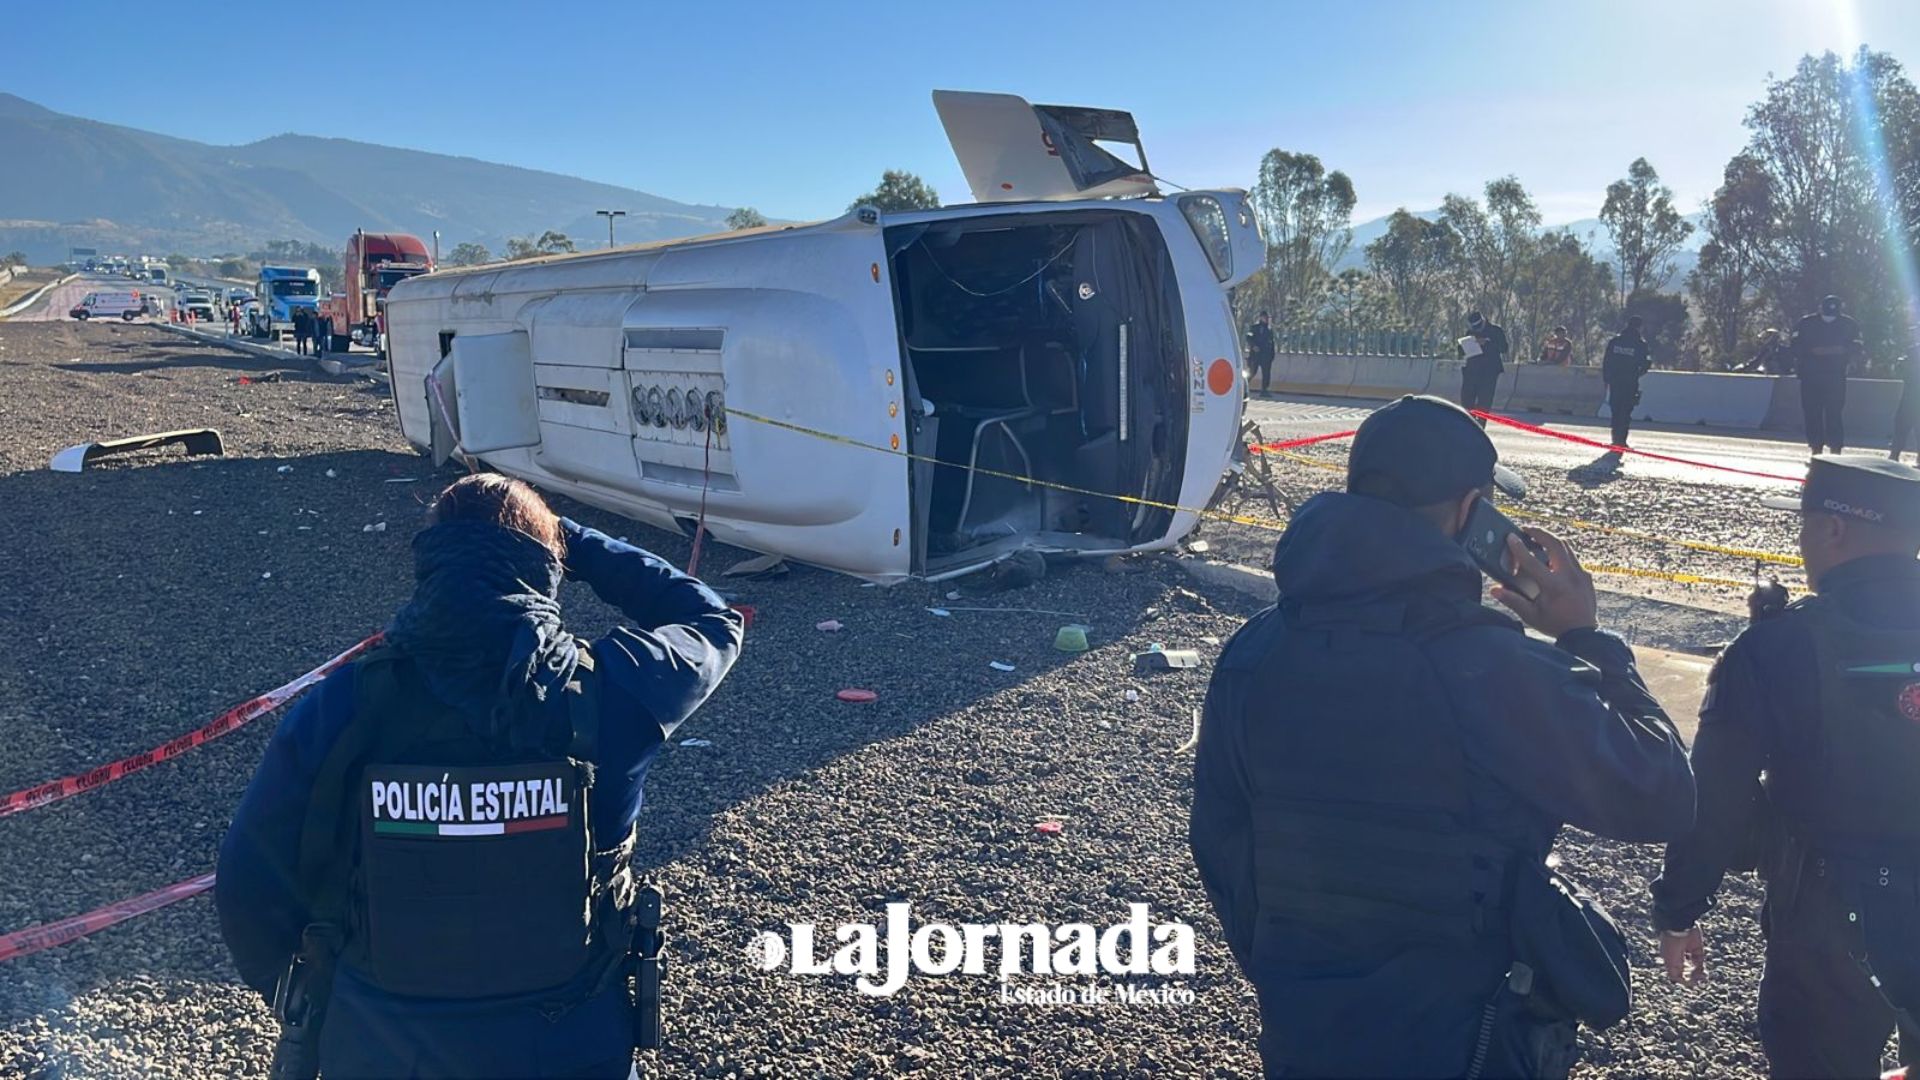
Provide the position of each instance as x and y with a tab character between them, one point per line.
1697	545
1268	523
843	440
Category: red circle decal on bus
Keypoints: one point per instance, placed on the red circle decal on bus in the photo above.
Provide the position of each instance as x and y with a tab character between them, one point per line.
1220	377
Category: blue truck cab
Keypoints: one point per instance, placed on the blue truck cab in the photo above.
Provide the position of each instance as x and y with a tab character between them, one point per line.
282	290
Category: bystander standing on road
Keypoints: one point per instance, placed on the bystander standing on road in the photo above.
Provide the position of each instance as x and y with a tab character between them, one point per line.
302	329
1558	348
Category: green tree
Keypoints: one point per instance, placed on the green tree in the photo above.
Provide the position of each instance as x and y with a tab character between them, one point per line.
1663	318
1413	260
1835	146
746	217
1645	228
899	190
522	247
469	253
1495	242
1306	215
232	268
1561	284
553	243
178	261
14	258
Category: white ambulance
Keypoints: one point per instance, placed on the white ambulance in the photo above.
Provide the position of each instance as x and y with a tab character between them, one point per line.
102	305
1053	368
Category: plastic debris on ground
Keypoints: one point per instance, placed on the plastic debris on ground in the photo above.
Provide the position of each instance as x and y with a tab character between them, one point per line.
1071	638
830	625
284	469
696	742
954	595
747	613
332	475
940	611
759	565
1000	665
857	695
1159	659
1199	547
1192	740
1131	695
378	526
1047	828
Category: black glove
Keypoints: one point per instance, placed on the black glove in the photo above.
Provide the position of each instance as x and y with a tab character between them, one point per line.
1766	600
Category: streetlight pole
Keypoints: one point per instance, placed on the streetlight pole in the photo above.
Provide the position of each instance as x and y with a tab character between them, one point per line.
436	249
610	215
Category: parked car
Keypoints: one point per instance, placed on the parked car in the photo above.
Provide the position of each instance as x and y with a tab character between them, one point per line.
199	305
100	305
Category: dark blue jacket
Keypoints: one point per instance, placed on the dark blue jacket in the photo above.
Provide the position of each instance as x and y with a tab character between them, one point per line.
1762	714
652	676
1549	735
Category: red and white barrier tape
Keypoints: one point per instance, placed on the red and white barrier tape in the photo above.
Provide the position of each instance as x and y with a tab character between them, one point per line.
231	720
47	935
1288	444
1598	445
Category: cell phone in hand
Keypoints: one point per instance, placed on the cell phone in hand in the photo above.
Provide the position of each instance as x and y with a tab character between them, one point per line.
1485	538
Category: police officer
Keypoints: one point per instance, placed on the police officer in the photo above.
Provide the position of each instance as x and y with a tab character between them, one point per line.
1907	414
1381	755
1485	351
439	834
1260	351
1824	345
1627	358
1824	698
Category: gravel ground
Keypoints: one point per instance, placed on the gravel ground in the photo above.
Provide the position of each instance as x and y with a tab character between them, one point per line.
141	594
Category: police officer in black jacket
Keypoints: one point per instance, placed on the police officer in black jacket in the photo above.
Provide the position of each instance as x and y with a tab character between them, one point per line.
1485	360
1824	699
1825	343
1382	758
1627	358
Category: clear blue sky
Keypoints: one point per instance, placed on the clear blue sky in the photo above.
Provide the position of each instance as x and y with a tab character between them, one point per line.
796	107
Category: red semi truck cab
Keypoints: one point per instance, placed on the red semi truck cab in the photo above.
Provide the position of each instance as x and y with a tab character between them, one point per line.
375	261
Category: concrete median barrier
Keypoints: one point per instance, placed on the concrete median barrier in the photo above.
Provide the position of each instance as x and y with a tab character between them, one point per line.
1300	373
1715	399
1568	391
1871	404
1388	377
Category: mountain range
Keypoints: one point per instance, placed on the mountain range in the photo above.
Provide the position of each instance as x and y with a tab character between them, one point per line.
70	181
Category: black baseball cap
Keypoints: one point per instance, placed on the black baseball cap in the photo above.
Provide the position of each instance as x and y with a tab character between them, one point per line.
1425	449
1865	486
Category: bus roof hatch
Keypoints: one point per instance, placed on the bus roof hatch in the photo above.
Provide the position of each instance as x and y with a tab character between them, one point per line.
1012	151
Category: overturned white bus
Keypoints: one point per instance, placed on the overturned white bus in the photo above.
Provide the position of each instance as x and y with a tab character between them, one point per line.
1052	368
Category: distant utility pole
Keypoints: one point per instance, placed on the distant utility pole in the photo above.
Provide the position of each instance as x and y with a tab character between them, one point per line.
436	249
610	215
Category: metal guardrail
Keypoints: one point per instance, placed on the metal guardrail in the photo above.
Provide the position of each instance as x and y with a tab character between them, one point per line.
1372	342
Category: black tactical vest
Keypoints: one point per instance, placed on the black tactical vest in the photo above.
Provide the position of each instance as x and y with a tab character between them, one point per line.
1853	797
461	869
1361	816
